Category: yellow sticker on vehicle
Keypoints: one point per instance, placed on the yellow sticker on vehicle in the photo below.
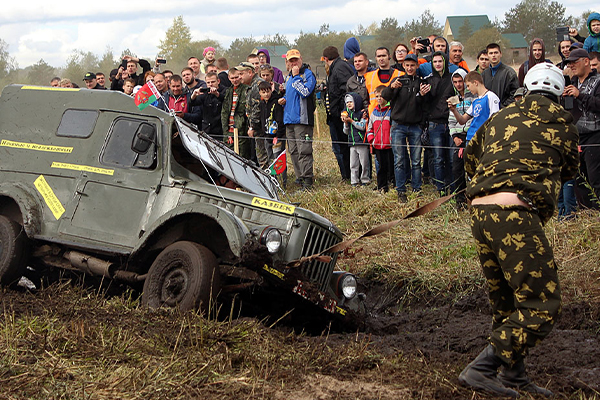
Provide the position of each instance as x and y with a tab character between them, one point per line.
273	205
50	198
35	146
86	168
273	271
58	89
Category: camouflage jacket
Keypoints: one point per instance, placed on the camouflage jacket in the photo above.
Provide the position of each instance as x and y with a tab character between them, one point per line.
528	148
253	102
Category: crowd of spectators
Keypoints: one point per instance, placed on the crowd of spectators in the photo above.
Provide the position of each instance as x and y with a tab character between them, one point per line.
415	107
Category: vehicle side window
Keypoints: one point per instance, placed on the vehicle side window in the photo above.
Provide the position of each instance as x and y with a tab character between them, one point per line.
117	151
77	123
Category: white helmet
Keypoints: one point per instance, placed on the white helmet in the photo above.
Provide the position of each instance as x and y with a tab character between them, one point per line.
545	77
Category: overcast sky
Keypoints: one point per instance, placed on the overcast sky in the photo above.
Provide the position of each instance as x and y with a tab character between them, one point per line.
46	30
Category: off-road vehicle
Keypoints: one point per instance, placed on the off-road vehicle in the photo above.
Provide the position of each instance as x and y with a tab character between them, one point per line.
90	182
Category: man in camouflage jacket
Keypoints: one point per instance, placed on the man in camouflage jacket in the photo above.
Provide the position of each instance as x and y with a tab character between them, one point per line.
516	162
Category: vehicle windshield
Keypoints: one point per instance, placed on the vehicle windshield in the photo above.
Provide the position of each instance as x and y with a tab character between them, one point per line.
220	158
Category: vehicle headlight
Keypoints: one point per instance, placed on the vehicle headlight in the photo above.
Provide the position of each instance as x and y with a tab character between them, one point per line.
271	237
348	286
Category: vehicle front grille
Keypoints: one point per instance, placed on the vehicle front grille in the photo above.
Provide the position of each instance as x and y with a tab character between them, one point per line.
318	239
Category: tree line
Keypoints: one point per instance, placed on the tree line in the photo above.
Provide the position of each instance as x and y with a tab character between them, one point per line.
532	18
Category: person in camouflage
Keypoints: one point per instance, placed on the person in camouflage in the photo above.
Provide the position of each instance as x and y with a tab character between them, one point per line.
516	162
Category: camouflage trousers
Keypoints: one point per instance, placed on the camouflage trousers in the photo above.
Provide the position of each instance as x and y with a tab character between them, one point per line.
522	277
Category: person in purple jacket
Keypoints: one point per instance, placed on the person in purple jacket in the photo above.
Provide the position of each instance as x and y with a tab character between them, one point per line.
265	58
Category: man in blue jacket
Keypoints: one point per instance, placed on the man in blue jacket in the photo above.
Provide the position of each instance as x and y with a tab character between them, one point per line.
298	116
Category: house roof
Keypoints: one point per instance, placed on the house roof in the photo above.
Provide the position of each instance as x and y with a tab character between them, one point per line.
516	40
476	21
454	23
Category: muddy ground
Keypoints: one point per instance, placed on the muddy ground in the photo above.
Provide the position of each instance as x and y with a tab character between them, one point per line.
413	350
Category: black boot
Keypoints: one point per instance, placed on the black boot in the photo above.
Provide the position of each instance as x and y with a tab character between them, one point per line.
482	373
516	377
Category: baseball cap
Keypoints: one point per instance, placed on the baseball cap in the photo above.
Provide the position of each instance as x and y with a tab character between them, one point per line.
293	53
244	66
411	57
577	54
89	76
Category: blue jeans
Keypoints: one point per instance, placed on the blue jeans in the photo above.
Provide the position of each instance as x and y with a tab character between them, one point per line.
400	135
442	155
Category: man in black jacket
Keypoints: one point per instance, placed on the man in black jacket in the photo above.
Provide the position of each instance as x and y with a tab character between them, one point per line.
210	99
339	73
585	89
499	77
406	96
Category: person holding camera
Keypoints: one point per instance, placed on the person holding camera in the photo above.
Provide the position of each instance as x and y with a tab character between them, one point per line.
585	89
210	100
405	93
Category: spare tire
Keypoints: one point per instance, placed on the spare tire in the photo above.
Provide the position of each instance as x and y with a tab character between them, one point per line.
184	275
14	247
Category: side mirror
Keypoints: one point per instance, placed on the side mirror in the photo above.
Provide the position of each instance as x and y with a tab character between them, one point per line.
144	137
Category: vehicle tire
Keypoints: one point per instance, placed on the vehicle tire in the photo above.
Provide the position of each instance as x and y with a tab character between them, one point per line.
14	250
184	275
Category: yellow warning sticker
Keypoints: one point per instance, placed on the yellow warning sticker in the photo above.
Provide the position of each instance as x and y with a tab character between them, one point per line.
50	198
86	168
273	205
57	89
35	146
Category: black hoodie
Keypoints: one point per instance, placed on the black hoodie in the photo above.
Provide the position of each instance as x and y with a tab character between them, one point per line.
436	100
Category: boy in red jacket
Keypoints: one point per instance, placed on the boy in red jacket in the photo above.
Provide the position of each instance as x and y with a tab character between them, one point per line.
378	135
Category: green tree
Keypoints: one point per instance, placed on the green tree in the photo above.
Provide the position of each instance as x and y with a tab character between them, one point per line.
388	34
311	46
78	63
535	19
275	40
107	62
239	49
423	26
580	23
465	31
177	41
40	73
481	38
7	63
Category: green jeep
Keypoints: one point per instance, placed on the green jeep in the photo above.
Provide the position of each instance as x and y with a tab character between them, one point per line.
89	182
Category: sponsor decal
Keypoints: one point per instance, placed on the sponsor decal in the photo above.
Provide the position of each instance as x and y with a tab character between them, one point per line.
273	205
86	168
35	146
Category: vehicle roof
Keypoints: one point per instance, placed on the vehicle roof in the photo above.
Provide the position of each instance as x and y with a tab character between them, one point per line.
38	96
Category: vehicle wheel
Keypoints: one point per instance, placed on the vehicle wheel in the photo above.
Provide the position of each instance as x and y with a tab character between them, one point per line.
184	275
14	246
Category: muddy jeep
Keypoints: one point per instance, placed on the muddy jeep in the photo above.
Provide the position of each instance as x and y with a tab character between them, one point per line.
89	182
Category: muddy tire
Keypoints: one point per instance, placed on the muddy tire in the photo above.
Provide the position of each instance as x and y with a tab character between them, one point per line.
14	246
184	275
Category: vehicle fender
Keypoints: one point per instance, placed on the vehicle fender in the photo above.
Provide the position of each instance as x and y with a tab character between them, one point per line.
28	205
235	230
